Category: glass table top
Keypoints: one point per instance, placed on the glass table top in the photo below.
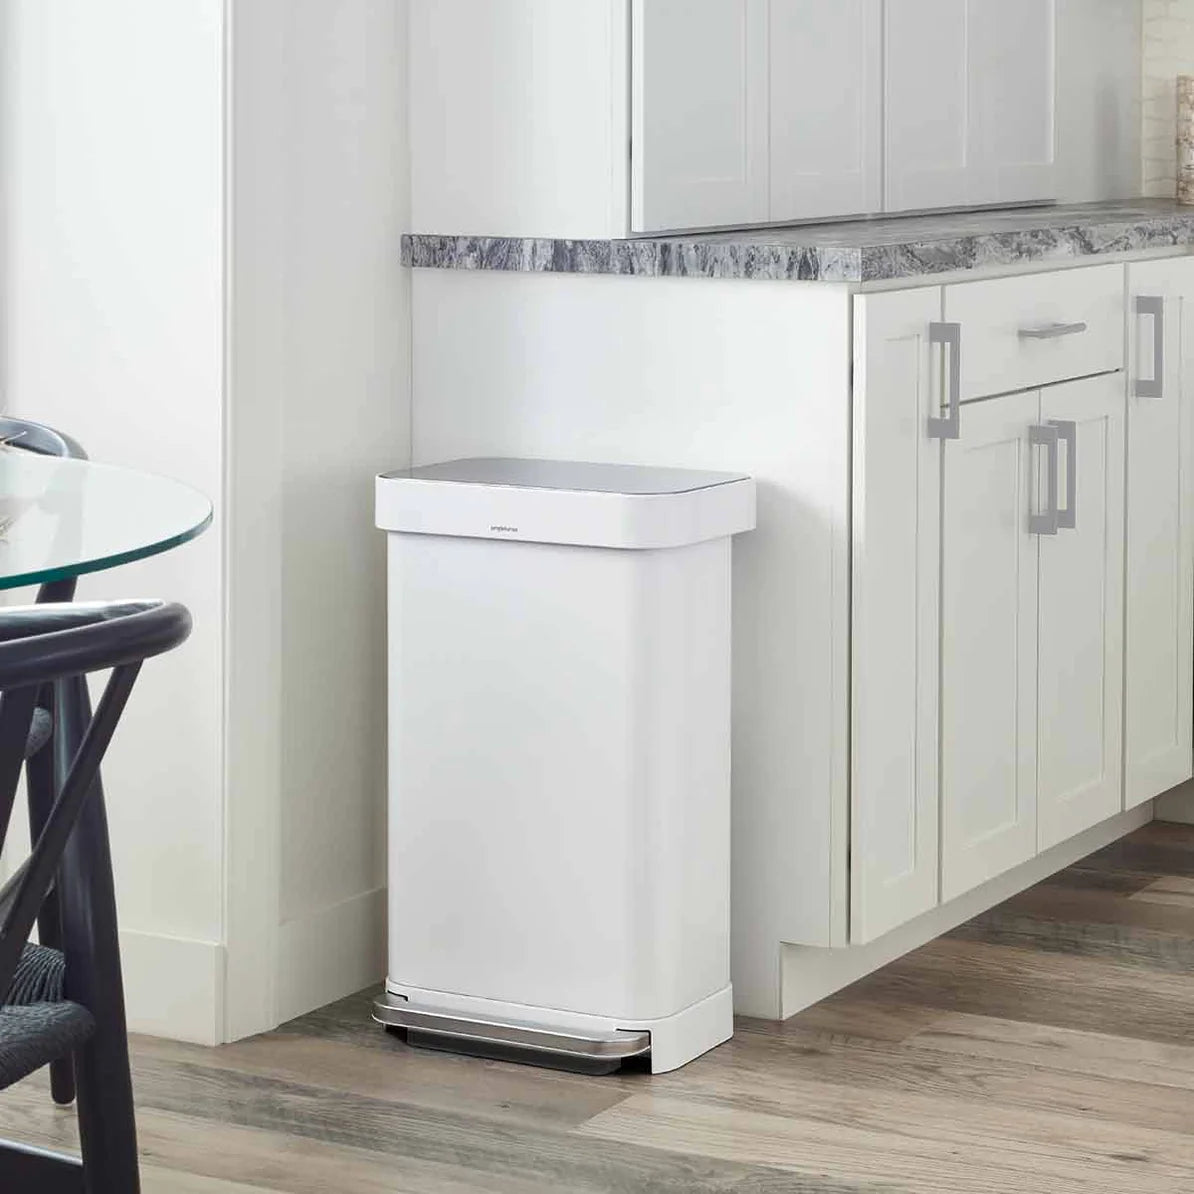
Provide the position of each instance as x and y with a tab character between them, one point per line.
62	518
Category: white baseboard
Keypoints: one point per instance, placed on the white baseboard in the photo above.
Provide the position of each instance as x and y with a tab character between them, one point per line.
173	987
330	953
810	975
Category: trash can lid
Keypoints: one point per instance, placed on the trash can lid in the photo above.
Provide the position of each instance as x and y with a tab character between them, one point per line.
559	501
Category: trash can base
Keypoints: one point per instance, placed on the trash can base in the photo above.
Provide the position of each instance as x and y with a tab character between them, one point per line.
561	1040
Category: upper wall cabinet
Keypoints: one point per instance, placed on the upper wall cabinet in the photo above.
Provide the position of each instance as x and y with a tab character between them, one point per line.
604	118
826	63
700	113
755	111
969	102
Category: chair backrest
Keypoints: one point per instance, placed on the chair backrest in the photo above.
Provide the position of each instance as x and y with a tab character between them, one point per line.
38	645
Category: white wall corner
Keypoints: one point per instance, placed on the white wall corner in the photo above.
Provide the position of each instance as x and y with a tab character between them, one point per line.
174	987
318	403
330	953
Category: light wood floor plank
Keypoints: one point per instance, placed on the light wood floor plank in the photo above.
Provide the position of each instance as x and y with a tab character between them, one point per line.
494	1150
1097	994
758	1074
171	1181
951	1161
386	1069
1174	890
970	1104
177	1148
1120	1058
848	1019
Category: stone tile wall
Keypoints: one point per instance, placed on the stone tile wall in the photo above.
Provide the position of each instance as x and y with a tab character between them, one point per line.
1168	47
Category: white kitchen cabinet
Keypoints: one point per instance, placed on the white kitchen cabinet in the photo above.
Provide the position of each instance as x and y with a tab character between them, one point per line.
989	564
987	580
594	119
1031	625
894	617
755	111
969	102
1080	620
826	114
700	114
1160	529
1035	329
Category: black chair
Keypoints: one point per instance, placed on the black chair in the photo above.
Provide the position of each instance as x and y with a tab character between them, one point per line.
70	1003
44	764
37	437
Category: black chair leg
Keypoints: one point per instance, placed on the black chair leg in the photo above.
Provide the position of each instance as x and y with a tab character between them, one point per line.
107	1127
42	788
43	775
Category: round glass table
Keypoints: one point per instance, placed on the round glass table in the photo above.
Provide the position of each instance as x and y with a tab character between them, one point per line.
62	518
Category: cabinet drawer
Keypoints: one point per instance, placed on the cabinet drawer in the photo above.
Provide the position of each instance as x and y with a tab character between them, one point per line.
1019	333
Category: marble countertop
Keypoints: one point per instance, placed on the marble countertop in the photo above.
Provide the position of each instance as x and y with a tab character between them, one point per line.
871	250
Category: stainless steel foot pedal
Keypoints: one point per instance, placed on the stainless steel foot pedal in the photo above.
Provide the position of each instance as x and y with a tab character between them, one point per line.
589	1050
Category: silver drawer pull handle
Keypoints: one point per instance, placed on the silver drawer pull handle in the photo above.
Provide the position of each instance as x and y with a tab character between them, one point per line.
949	335
1153	387
1053	331
1046	522
1067	431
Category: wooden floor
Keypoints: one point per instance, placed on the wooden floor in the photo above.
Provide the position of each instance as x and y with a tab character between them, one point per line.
1047	1046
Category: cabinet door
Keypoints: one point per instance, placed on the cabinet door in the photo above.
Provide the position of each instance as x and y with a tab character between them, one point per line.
894	635
969	102
1159	550
700	97
826	108
1080	668
988	643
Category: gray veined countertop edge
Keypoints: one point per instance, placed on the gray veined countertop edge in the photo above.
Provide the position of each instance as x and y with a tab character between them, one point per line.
870	250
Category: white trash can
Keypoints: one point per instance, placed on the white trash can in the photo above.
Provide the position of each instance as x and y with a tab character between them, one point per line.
559	705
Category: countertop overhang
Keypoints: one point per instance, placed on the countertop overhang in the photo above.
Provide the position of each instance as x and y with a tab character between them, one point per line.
872	250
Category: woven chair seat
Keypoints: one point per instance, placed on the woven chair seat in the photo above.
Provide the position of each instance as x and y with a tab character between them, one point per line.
40	977
39	732
37	1025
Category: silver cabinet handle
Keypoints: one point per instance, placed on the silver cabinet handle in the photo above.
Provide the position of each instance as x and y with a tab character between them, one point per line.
1153	387
1067	430
949	335
1045	523
1053	331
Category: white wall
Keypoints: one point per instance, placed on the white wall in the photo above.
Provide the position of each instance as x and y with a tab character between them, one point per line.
250	338
111	174
319	404
1098	99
